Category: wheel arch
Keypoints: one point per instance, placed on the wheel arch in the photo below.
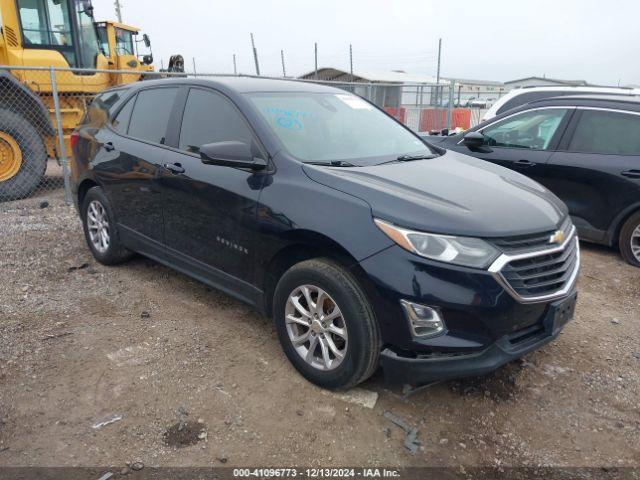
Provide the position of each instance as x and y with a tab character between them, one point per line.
83	188
305	245
617	224
17	98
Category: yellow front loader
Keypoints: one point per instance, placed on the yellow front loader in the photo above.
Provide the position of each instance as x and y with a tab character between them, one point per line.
59	34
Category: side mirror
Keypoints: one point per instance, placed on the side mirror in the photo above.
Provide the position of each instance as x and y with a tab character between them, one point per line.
231	154
473	140
146	40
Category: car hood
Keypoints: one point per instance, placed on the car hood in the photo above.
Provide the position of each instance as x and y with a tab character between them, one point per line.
451	194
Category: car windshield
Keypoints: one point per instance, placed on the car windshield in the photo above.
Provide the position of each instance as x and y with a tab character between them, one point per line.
333	127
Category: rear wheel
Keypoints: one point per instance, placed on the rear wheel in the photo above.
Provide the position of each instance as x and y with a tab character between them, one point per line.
325	324
100	230
23	157
629	240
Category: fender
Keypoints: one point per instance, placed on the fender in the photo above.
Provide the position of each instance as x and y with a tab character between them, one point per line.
18	98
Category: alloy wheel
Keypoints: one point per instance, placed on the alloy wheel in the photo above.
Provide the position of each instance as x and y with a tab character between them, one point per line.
635	243
316	327
98	226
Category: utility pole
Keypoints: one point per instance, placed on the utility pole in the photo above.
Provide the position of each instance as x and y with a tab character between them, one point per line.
351	61
235	67
118	10
315	46
438	89
284	70
255	55
439	52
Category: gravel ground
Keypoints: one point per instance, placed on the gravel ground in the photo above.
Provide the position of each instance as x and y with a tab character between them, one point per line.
188	376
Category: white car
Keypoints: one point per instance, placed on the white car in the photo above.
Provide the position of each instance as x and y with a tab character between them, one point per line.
520	96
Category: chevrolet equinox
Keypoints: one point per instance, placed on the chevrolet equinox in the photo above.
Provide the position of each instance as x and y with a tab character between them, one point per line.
367	246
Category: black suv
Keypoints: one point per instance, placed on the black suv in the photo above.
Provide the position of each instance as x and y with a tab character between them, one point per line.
585	149
367	246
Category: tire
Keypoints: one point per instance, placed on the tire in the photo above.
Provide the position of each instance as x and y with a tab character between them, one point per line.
360	346
16	131
629	240
107	253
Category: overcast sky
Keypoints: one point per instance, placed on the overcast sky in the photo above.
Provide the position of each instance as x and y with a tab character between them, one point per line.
593	40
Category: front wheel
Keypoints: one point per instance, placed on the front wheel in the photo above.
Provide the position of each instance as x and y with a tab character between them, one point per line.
629	240
325	324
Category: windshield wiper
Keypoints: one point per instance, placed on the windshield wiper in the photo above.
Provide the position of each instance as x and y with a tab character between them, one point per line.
409	158
333	163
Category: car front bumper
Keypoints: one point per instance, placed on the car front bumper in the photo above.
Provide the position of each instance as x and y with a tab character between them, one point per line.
423	369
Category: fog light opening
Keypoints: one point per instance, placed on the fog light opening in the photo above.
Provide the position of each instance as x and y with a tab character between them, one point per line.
424	321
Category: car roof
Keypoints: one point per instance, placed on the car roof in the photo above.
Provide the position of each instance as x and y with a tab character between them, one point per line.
240	84
625	102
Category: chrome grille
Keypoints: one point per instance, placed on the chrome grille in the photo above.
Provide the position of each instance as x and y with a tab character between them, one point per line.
540	275
536	241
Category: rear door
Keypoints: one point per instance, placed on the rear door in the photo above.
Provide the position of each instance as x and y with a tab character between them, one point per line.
596	170
523	141
134	148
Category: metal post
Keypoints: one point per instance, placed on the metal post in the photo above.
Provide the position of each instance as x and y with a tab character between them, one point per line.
284	70
194	66
351	61
315	46
255	55
438	90
118	10
235	67
64	161
452	87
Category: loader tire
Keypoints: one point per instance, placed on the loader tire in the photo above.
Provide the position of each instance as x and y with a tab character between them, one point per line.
23	156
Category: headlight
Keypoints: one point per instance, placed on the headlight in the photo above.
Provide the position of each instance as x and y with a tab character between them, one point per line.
466	251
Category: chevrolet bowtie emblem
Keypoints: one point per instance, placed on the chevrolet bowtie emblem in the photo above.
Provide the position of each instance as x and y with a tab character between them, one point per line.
557	237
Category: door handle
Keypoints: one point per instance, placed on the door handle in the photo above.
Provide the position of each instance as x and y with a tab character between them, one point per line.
174	168
524	163
631	173
109	147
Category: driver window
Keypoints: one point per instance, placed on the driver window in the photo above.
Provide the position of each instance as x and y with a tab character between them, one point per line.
533	129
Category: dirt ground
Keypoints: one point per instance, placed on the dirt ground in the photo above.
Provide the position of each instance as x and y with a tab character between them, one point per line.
191	377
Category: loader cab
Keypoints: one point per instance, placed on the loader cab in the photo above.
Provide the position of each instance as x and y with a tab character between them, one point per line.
120	45
64	26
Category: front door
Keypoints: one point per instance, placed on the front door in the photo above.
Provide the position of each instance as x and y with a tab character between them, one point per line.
210	210
523	142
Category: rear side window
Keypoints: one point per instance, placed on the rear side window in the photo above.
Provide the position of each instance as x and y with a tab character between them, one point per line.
607	132
151	112
209	118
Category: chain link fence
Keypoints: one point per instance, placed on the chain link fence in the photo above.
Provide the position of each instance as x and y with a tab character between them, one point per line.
41	106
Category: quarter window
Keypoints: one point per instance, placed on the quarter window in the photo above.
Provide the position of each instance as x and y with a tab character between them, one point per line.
533	129
121	122
607	132
209	118
151	113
